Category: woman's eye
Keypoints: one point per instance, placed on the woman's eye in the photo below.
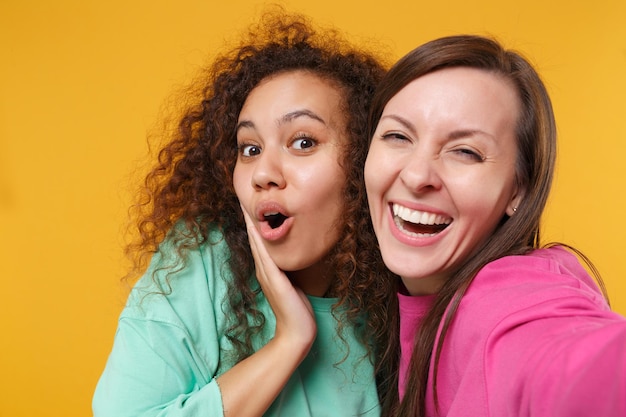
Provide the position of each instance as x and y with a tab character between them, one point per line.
394	136
303	143
249	150
469	154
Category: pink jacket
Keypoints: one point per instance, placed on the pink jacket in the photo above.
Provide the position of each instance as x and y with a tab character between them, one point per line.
533	336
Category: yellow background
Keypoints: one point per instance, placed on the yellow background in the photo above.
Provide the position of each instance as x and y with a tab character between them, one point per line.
81	83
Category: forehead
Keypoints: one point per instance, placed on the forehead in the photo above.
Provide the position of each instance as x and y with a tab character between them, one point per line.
462	81
296	90
296	81
459	94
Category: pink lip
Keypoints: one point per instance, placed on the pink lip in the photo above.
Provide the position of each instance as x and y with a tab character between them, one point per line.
263	226
278	233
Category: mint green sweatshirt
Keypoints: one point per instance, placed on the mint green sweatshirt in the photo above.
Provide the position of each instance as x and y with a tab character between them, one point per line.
169	349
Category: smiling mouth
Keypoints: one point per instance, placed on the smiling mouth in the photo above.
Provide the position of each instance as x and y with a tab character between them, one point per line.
275	219
419	223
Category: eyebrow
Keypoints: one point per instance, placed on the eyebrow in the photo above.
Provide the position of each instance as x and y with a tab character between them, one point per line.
404	122
286	118
463	133
300	113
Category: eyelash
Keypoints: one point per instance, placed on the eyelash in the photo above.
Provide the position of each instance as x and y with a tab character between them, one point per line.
464	152
241	149
470	153
244	149
301	137
394	136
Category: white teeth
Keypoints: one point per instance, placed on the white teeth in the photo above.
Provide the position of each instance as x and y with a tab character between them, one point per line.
271	213
419	217
400	226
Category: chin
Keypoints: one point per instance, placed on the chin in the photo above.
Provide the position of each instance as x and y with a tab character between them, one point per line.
400	265
289	265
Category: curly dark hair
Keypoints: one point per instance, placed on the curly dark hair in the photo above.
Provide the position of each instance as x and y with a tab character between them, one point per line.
192	182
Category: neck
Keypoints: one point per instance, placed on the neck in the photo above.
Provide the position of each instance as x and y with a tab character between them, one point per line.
314	280
423	286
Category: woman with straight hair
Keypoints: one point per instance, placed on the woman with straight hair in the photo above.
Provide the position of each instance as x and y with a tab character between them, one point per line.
488	320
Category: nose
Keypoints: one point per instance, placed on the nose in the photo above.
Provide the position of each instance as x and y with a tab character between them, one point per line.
421	172
268	171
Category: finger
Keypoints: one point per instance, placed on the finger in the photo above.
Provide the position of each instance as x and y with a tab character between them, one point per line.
264	263
250	229
253	238
249	224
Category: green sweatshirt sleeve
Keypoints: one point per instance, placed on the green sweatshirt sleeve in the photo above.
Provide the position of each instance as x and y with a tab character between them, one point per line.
150	374
169	342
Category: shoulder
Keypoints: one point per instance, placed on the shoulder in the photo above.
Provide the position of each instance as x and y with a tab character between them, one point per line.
517	289
553	272
182	280
518	301
547	321
555	259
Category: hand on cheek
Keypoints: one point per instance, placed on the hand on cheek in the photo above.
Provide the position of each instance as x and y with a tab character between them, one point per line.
294	315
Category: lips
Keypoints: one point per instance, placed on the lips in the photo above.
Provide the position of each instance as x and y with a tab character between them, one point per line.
417	223
274	220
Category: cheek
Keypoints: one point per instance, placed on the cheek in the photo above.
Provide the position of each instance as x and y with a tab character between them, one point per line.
379	174
334	193
372	193
330	198
241	181
370	176
486	207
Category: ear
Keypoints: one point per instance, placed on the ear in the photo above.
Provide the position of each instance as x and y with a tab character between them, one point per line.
516	199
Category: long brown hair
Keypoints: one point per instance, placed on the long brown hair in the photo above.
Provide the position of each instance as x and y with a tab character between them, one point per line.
536	144
189	191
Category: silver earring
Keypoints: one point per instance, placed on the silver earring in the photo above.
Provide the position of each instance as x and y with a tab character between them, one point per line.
514	209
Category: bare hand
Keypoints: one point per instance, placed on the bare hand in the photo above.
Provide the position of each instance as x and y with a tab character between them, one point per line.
295	321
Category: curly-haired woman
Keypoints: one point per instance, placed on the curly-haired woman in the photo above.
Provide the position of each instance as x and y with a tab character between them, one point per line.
279	133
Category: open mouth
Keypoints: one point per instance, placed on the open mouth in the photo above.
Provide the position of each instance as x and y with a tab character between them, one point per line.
419	223
275	219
